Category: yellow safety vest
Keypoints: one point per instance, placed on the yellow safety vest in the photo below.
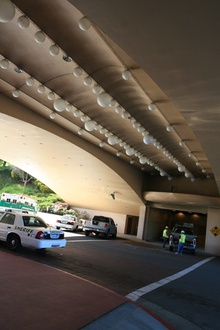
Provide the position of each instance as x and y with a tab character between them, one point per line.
182	238
165	233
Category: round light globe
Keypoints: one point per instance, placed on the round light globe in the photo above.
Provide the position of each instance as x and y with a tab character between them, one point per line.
112	140
84	23
89	125
59	105
39	37
96	89
126	75
77	71
30	81
54	50
7	11
23	22
104	99
4	64
16	93
51	96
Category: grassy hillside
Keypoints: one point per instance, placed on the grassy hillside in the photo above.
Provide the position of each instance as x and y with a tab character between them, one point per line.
14	186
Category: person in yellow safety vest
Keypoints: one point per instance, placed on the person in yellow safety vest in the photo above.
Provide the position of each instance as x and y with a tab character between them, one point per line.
165	236
182	240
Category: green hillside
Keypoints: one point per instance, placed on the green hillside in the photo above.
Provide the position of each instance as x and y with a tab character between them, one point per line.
33	188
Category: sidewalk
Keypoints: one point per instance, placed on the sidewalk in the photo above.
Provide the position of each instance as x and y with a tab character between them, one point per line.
35	296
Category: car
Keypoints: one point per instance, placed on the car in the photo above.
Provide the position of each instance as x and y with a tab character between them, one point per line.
68	222
26	230
100	225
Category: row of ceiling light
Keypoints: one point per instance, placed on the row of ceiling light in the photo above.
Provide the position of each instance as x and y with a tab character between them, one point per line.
103	100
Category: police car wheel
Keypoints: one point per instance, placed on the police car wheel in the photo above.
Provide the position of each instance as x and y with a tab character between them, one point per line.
13	242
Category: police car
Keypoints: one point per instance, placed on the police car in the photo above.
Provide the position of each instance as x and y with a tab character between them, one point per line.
26	230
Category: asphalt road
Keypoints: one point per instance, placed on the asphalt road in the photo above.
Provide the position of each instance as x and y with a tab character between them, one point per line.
189	302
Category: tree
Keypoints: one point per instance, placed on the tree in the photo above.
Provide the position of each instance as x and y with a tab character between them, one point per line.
23	176
42	187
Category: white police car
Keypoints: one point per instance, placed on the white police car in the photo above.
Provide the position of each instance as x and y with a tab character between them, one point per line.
26	230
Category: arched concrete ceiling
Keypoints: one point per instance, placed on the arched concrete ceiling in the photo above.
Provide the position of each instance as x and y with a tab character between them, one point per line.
171	50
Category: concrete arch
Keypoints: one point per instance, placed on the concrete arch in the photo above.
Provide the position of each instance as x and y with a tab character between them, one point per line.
89	174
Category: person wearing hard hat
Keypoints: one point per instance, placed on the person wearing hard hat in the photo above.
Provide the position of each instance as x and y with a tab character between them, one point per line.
165	236
182	240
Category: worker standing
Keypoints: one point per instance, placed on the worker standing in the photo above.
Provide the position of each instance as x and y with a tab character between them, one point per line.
165	236
182	240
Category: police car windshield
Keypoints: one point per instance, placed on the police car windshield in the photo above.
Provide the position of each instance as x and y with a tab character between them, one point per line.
31	221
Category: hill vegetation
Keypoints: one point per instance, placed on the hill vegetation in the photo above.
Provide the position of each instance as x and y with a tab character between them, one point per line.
15	181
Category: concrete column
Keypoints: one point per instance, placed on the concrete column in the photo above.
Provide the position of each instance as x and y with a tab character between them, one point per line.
141	222
212	242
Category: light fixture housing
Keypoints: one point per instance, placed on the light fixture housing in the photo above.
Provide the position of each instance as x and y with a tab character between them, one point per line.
126	75
104	99
89	125
23	22
59	104
54	50
7	11
84	23
39	37
151	106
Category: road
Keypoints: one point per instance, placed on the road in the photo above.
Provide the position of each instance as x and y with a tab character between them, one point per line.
124	266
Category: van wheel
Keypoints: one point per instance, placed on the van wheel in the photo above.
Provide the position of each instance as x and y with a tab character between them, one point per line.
13	242
87	233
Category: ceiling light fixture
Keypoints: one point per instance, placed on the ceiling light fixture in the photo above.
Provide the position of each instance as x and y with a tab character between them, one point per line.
53	115
39	37
77	71
18	70
151	106
59	104
4	63
30	81
87	81
54	50
16	93
80	131
51	96
84	23
96	89
23	22
69	108
104	99
89	125
67	58
182	144
112	140
101	144
41	89
7	11
169	128
126	75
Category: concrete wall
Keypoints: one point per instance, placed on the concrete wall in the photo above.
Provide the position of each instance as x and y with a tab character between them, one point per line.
212	242
156	220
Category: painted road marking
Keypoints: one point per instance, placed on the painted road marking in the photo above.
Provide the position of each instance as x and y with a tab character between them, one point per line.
85	240
135	295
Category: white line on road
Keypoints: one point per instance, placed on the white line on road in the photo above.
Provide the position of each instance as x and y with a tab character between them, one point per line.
85	240
135	295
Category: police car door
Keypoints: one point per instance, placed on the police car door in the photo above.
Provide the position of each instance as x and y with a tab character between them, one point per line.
6	225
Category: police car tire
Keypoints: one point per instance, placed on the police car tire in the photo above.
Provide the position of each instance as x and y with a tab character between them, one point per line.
13	242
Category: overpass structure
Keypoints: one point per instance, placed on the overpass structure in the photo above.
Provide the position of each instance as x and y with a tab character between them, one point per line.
115	104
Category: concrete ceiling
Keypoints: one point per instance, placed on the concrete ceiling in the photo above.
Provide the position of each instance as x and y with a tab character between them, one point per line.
171	50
